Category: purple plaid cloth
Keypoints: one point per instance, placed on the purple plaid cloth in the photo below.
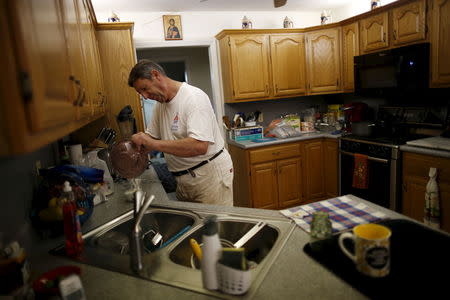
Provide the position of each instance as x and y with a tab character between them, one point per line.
344	213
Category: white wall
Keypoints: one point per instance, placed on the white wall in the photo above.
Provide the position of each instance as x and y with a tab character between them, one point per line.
355	8
202	26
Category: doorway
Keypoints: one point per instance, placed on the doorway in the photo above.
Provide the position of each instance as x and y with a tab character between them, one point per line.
185	64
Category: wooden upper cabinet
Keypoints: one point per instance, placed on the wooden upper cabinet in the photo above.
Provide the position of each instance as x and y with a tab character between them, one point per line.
408	23
43	62
374	32
288	64
323	60
250	66
350	49
440	43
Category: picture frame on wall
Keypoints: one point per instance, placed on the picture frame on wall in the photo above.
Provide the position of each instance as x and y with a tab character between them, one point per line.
172	27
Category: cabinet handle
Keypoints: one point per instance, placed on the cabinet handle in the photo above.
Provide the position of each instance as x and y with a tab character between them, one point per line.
267	88
78	98
405	187
395	34
83	97
384	37
337	82
276	88
275	153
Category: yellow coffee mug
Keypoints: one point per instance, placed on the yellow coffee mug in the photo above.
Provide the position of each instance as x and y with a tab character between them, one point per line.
372	251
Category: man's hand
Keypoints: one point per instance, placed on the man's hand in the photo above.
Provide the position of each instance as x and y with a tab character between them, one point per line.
143	142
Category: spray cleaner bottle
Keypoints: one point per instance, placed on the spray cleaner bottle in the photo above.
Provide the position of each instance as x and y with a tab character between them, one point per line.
211	253
72	228
432	209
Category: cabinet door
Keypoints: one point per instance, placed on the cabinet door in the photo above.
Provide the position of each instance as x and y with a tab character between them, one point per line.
90	84
289	182
414	197
264	185
323	60
44	60
440	43
408	23
350	49
288	64
331	166
313	170
250	67
374	32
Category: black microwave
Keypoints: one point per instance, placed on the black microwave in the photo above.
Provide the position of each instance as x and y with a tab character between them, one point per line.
399	70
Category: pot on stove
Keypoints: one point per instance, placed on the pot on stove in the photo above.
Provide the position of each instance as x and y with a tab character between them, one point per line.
363	128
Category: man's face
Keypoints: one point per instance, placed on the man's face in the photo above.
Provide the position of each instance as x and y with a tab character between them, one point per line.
151	88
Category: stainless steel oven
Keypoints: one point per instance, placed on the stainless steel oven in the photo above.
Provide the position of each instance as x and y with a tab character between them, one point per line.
383	170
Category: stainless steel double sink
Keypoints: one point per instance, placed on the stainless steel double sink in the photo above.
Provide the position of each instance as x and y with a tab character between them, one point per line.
172	261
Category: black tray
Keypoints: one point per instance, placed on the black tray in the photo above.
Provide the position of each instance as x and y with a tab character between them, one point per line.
420	263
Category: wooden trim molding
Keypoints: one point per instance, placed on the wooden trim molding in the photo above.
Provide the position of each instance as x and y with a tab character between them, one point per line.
115	26
356	18
92	12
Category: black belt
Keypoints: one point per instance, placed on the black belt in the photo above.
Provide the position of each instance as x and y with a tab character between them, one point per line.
179	173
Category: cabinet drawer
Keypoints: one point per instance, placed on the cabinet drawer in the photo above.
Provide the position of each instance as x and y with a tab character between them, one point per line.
419	165
275	152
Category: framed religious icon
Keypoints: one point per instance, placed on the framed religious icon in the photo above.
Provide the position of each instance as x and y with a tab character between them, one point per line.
172	27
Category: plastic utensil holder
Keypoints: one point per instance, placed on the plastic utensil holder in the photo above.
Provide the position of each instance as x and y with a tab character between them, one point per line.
233	281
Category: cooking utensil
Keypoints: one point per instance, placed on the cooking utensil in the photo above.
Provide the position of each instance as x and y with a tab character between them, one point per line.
363	128
127	161
246	237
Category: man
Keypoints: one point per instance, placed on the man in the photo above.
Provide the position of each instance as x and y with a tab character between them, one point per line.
184	127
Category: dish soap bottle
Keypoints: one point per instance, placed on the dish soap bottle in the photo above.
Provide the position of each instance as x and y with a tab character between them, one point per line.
72	228
211	254
432	209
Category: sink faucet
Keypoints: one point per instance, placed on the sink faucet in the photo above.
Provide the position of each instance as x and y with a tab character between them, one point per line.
136	246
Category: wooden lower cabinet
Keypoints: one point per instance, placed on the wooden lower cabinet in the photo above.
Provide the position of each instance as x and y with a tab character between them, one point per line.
264	185
415	179
331	167
313	153
285	175
289	182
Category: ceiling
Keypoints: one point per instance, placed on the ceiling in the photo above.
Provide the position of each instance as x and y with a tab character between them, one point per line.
215	5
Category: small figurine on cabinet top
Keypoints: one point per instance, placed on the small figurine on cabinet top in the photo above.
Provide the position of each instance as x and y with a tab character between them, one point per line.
325	17
246	23
375	4
113	17
288	23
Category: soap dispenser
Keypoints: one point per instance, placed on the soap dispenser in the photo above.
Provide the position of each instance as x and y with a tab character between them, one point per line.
211	253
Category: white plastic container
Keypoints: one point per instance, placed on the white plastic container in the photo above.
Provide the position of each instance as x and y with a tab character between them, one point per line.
211	254
233	281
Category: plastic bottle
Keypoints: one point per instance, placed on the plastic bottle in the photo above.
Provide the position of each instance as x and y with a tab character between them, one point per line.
432	210
211	254
72	228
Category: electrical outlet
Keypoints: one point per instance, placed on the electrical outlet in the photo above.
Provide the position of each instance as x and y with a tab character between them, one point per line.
38	166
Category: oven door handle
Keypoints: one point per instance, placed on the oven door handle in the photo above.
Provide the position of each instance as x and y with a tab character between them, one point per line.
381	160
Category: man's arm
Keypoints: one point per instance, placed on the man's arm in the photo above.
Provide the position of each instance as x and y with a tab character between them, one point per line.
187	147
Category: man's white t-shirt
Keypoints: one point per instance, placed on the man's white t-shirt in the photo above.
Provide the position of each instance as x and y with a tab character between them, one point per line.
188	114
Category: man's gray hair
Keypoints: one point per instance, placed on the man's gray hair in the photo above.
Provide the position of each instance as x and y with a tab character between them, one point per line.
143	69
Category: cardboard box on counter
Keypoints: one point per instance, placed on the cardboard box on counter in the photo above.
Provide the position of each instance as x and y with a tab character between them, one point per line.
247	133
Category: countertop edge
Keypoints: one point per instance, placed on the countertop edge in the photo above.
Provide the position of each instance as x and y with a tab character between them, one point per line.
426	151
303	137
